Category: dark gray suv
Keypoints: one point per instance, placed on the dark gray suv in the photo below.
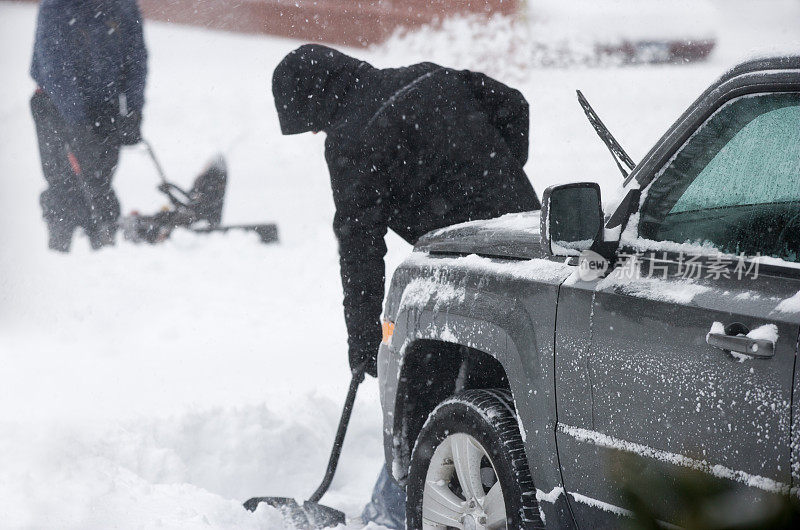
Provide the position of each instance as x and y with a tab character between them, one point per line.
533	365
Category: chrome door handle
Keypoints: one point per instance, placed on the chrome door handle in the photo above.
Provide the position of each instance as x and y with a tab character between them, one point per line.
740	343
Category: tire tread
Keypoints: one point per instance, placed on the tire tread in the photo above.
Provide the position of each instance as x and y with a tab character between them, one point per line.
497	407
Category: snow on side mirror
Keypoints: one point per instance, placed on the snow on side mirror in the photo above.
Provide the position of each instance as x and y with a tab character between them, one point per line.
572	218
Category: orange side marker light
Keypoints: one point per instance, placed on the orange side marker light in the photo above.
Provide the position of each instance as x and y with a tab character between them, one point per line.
388	331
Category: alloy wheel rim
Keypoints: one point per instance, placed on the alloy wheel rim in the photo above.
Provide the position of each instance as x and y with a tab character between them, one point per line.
462	489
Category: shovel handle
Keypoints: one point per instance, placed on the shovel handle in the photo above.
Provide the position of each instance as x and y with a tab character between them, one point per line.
166	186
156	163
358	376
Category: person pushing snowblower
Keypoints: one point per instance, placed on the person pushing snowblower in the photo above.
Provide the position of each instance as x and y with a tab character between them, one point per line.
90	62
409	149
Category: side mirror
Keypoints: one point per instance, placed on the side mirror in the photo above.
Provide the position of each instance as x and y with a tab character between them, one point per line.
572	218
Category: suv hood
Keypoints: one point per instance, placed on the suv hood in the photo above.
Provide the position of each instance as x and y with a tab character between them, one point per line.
514	235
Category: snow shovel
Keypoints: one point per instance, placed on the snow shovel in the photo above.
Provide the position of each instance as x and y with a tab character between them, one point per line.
198	210
312	515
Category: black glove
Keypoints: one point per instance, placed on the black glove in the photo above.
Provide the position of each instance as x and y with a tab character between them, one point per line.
129	128
364	360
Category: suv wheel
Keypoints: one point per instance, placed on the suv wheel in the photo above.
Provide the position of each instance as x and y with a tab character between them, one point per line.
468	468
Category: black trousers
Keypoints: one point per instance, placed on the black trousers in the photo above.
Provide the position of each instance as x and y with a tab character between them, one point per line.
78	167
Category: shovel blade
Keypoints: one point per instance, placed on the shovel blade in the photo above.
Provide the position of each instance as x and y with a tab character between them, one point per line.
310	515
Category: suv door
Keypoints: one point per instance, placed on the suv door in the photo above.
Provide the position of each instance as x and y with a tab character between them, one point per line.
645	389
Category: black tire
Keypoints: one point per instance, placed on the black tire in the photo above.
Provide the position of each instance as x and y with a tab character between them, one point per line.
490	418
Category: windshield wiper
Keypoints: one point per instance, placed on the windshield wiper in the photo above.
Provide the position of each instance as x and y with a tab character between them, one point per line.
617	152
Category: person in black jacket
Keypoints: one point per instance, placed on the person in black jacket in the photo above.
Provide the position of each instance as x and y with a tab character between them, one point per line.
412	149
90	62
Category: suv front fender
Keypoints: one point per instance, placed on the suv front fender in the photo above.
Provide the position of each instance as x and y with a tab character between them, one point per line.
505	309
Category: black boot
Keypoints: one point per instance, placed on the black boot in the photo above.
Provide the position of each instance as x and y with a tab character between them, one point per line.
59	236
101	235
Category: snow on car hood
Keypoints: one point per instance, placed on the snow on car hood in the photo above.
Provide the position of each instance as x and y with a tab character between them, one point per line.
514	235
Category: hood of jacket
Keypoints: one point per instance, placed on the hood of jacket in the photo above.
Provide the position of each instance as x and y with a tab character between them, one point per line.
310	85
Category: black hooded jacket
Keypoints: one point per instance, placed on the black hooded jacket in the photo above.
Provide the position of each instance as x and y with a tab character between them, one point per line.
412	149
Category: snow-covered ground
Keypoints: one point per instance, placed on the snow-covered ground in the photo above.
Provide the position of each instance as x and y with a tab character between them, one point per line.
159	387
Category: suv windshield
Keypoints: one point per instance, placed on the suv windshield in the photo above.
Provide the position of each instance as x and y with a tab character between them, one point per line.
735	183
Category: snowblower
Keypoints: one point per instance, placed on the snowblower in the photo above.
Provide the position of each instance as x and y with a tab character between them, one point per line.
198	210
